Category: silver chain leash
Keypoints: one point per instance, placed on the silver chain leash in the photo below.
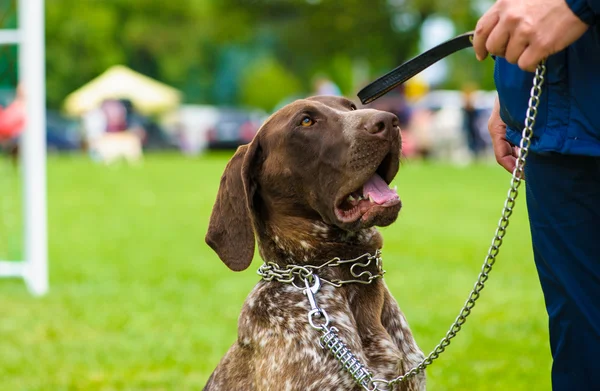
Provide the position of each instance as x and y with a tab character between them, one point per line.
330	340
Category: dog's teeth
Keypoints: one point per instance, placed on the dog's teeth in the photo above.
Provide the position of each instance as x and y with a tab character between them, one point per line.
370	198
396	188
351	198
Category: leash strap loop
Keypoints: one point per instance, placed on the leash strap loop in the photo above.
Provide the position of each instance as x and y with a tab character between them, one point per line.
402	73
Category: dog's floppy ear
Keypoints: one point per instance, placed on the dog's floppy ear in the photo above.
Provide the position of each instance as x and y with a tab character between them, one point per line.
230	232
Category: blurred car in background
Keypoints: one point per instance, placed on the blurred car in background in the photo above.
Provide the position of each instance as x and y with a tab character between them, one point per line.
234	127
156	138
62	134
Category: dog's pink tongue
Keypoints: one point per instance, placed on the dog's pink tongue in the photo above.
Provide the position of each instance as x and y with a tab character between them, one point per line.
378	190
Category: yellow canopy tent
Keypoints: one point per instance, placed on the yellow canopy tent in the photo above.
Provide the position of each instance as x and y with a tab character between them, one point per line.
119	82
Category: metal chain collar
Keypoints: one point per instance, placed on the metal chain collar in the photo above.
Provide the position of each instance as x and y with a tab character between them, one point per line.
330	339
270	271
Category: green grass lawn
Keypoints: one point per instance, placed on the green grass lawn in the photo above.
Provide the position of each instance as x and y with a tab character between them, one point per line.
138	301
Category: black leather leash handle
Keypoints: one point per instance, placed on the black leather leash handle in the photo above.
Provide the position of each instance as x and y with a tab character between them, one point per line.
402	73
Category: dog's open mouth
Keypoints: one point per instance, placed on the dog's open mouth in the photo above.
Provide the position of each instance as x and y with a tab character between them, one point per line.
375	194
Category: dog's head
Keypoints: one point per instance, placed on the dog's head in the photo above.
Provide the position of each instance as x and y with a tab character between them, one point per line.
317	159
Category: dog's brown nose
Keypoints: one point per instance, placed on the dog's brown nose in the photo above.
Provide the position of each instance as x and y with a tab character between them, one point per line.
380	122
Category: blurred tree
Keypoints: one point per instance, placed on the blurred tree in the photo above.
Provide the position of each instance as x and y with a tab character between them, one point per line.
163	40
318	36
8	53
351	41
208	48
80	44
266	83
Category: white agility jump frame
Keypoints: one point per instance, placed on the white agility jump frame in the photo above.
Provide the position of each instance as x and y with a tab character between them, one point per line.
30	39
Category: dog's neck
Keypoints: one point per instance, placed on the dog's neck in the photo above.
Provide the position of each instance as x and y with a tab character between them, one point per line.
301	241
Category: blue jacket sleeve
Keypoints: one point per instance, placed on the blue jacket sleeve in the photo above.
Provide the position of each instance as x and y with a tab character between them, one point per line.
586	10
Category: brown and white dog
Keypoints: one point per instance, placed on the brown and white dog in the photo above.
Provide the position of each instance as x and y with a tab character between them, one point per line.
311	186
113	147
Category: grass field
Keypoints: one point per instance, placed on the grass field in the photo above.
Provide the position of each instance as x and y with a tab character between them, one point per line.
139	302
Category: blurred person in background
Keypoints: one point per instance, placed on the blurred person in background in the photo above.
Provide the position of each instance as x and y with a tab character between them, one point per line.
94	126
474	141
12	123
134	122
116	115
563	165
419	134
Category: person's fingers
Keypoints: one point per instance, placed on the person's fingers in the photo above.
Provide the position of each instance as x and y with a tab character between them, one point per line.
540	46
524	32
498	40
484	27
531	57
515	48
505	155
542	42
503	150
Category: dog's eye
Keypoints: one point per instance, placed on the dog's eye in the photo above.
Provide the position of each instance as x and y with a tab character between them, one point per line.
352	107
307	121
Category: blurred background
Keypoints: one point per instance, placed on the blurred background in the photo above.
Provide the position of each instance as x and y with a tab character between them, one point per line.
204	74
146	102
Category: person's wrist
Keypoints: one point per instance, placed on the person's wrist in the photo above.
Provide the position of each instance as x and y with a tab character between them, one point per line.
582	10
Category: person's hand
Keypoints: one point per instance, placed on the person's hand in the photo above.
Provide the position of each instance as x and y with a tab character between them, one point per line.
525	32
506	154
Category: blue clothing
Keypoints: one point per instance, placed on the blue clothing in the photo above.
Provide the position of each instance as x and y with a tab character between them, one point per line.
563	195
568	118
